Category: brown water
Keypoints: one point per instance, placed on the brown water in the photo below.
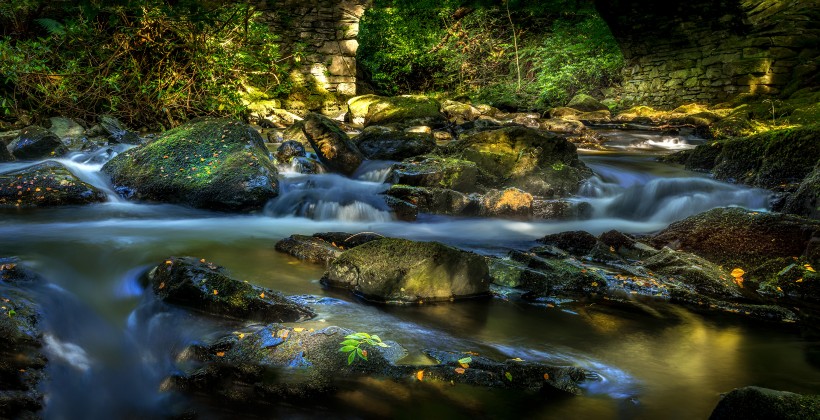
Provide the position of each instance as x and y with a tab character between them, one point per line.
112	343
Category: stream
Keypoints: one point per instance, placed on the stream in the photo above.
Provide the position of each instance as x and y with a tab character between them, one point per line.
111	343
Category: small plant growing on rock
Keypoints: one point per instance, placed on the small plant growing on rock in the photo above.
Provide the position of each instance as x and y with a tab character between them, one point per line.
353	345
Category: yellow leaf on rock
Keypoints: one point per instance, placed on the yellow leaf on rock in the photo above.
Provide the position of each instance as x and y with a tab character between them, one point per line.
420	375
298	329
460	371
464	365
202	260
737	272
546	376
220	354
216	292
808	267
262	295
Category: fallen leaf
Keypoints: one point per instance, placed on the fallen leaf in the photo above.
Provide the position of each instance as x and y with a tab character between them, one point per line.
464	365
220	354
161	286
298	329
460	371
737	272
168	262
420	375
216	292
808	267
546	376
508	375
202	260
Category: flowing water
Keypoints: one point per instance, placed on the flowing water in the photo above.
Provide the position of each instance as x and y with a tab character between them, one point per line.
111	343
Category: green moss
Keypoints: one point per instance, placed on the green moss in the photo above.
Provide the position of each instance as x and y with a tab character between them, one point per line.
406	108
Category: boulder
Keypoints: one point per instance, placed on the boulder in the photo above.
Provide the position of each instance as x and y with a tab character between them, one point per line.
44	185
204	286
543	276
288	150
626	246
357	107
309	248
35	142
403	271
296	132
699	275
405	110
759	243
436	172
66	128
806	200
753	402
564	112
459	113
435	200
561	210
537	162
5	155
586	103
117	133
347	240
510	202
383	143
22	366
331	144
207	163
562	125
577	242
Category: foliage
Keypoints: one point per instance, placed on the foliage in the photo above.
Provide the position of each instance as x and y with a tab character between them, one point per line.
147	61
564	48
352	345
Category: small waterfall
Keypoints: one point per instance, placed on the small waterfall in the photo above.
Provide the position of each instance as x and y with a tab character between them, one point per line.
330	197
374	170
87	165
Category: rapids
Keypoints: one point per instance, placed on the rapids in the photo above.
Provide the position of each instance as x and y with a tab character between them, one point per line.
111	344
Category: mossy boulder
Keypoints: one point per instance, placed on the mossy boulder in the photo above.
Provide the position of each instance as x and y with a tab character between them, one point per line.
288	150
459	113
806	200
309	248
436	172
770	159
695	273
544	276
434	200
331	144
117	133
35	142
405	110
44	185
576	242
753	402
510	202
537	162
208	163
384	143
403	271
761	244
206	287
586	103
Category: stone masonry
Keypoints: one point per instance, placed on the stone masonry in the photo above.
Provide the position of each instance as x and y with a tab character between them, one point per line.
322	33
709	51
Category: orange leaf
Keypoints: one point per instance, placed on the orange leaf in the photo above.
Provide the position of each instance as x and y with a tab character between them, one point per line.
216	292
464	365
420	375
262	295
220	354
737	272
161	286
546	376
298	329
169	262
460	371
202	260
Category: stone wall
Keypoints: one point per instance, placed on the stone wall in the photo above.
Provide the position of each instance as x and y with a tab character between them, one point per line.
323	35
681	51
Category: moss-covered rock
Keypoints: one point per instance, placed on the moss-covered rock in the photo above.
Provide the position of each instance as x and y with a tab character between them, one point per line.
288	150
806	200
331	144
384	143
206	287
309	248
586	103
695	273
753	402
459	113
543	276
208	163
406	110
44	185
436	172
117	133
537	162
761	244
511	202
402	271
434	200
577	242
35	142
770	159
357	107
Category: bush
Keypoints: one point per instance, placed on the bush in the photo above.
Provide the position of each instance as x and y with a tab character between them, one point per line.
146	62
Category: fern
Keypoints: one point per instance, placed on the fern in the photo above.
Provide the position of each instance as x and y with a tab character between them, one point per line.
52	26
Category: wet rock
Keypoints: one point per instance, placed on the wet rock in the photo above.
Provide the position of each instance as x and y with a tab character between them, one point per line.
204	286
626	246
407	110
22	362
562	125
564	111
546	276
288	150
753	402
44	185
309	248
5	155
357	107
459	113
537	162
436	172
761	244
586	103
402	271
595	117
696	273
346	240
35	142
435	200
331	144
116	131
561	210
806	200
510	202
576	242
296	132
68	130
387	144
207	163
403	210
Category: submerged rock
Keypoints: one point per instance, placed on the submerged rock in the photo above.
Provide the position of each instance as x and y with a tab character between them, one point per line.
331	144
22	362
44	185
387	144
753	402
204	286
402	271
35	142
309	248
537	162
207	163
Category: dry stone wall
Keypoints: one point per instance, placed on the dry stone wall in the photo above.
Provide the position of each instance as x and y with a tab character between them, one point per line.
322	33
712	50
